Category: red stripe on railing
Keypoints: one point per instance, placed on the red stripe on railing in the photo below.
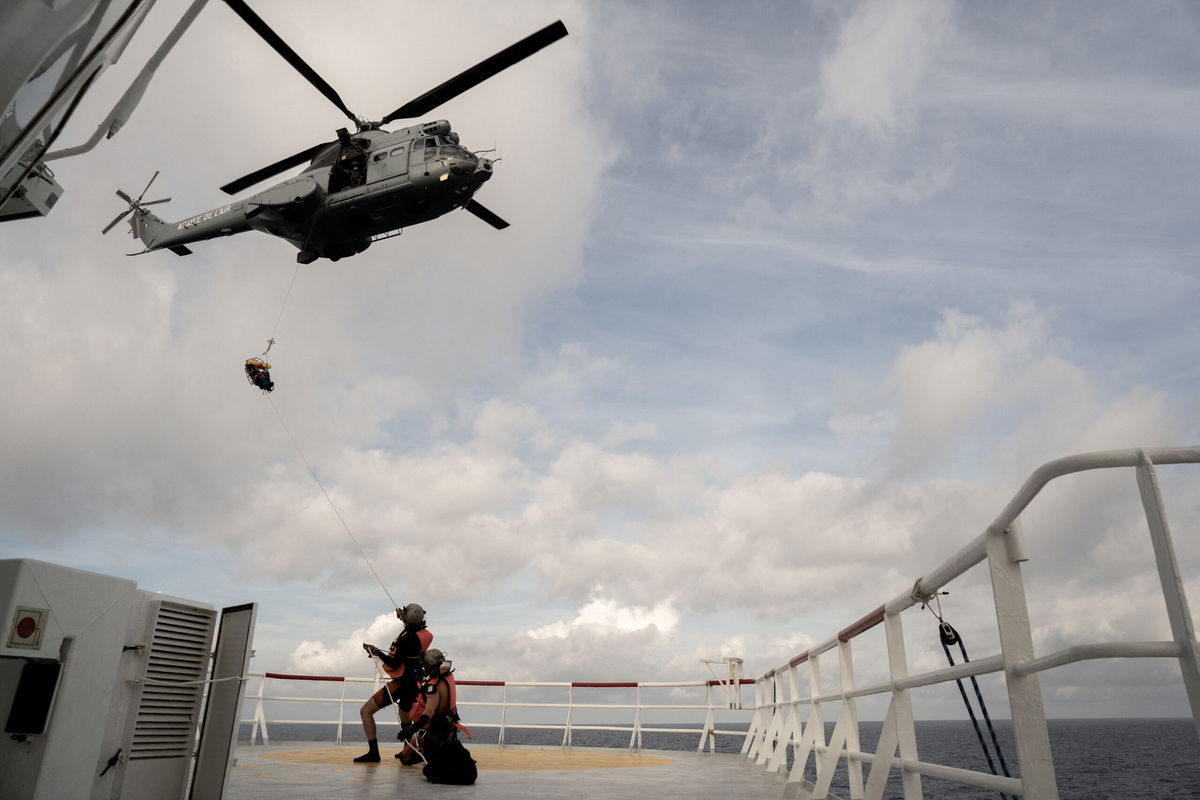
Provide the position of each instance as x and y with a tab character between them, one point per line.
604	685
743	682
479	683
864	624
283	677
800	659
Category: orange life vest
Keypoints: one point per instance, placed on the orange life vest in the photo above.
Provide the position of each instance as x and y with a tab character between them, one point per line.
423	636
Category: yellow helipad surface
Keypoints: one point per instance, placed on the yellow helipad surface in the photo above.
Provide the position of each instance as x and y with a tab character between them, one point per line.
485	758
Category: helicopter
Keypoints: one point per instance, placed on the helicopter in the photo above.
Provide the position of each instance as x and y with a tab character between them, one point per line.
360	188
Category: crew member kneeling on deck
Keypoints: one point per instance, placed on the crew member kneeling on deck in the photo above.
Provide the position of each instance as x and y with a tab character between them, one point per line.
402	663
447	761
438	719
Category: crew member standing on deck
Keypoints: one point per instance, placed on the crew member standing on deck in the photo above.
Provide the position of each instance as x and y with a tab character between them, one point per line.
402	663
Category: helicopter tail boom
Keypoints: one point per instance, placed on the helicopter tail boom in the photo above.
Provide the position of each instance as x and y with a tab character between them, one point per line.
159	234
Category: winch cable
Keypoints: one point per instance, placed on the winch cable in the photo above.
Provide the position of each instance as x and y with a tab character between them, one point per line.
948	637
295	272
283	305
312	472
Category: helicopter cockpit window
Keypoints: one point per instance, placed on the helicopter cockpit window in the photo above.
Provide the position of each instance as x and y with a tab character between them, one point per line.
454	150
431	142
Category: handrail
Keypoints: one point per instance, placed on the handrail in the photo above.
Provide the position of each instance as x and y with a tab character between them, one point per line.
778	731
707	732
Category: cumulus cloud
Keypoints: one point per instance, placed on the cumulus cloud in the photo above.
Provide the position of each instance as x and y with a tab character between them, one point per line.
1010	382
871	80
607	613
870	108
345	656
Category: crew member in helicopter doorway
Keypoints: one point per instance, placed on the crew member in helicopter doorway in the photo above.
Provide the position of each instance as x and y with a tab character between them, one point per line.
401	663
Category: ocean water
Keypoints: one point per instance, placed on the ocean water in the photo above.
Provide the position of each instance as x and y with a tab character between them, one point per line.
1094	759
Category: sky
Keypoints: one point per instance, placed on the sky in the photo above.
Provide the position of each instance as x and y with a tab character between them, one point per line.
795	298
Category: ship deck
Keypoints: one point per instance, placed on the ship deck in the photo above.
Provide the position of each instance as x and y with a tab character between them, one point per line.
299	770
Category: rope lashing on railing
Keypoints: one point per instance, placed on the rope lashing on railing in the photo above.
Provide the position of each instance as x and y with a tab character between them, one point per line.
926	599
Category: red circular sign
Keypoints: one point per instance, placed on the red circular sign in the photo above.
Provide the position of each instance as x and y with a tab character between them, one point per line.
26	627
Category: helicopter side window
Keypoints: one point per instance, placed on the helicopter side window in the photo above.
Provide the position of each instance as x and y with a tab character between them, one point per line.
399	151
380	156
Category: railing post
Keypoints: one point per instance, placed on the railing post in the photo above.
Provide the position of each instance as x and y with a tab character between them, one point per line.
788	726
853	764
566	742
258	714
771	735
756	723
1024	691
906	729
341	714
706	736
1182	627
636	735
818	716
639	711
503	713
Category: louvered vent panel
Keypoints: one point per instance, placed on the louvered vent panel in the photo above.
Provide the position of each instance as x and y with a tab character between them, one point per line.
166	719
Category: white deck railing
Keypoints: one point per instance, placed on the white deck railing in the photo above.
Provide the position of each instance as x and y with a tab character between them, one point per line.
727	691
777	727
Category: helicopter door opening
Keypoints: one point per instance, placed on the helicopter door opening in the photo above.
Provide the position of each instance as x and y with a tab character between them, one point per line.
349	171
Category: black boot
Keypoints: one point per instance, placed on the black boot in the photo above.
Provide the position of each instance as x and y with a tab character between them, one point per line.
372	753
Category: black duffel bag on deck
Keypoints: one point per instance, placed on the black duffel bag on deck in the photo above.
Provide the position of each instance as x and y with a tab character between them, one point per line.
450	762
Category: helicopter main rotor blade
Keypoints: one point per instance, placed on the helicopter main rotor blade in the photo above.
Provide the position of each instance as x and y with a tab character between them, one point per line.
143	194
291	56
479	73
485	214
120	217
233	187
152	202
124	196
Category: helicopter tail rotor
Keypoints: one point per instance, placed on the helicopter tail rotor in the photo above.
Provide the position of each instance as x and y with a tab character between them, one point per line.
135	205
